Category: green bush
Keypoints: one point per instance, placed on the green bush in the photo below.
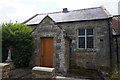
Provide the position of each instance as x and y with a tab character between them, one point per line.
18	37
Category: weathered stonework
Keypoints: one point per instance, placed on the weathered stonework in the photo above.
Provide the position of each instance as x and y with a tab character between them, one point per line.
48	28
4	70
95	58
66	55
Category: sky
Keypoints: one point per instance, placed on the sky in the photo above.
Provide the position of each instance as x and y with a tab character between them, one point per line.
21	10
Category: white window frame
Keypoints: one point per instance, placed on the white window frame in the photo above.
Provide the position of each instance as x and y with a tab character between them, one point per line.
85	38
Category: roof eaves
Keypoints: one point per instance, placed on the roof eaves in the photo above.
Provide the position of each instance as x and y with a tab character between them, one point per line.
116	15
116	35
70	21
31	24
82	20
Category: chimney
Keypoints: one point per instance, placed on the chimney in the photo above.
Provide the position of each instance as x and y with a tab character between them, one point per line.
65	10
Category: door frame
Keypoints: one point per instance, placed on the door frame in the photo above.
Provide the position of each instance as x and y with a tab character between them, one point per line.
54	49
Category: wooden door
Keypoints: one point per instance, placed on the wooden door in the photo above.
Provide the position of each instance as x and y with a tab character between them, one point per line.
46	52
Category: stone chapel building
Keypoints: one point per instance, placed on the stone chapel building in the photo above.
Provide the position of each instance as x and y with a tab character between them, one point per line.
72	39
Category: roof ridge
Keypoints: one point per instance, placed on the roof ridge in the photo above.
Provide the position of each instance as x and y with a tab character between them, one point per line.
68	11
49	13
85	9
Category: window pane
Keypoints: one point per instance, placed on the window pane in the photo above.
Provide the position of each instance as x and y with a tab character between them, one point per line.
81	32
81	42
89	31
89	42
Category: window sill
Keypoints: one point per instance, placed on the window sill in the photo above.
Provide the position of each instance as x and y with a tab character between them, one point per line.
86	50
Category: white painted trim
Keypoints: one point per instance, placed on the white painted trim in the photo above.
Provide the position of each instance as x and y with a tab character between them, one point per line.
85	39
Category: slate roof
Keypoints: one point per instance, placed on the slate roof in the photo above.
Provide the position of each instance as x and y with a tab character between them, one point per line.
73	15
116	24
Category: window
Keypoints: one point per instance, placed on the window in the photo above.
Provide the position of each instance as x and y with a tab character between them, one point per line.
85	38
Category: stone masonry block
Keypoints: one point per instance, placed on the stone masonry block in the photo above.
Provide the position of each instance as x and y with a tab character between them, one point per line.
43	72
4	70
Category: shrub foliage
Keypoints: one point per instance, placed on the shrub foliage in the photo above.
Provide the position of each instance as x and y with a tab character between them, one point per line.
18	37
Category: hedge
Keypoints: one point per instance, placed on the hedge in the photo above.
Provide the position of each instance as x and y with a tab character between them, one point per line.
17	37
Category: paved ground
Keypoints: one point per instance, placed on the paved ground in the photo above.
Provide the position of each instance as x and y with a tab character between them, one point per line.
21	73
69	78
72	75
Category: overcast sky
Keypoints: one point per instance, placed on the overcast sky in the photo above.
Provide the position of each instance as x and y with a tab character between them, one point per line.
20	10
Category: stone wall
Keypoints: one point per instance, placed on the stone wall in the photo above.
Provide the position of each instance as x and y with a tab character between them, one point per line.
4	70
64	56
48	28
116	52
95	58
67	54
